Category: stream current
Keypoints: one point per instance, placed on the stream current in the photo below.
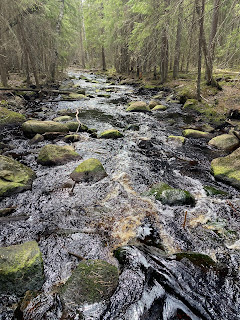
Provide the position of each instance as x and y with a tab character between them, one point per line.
112	213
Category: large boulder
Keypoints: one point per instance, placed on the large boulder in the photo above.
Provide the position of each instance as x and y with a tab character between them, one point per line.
10	118
226	142
227	169
191	133
14	176
111	134
138	106
21	268
32	127
55	155
90	170
92	282
170	196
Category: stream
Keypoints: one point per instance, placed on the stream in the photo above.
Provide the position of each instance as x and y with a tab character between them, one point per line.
101	217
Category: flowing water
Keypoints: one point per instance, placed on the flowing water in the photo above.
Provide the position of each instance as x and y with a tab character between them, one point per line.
101	217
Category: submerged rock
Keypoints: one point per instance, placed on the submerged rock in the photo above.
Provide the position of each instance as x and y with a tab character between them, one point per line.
90	170
32	127
198	259
159	107
10	118
227	169
138	106
14	176
152	104
55	155
170	196
63	119
211	191
226	142
191	133
21	268
179	140
111	134
73	126
72	138
37	138
92	282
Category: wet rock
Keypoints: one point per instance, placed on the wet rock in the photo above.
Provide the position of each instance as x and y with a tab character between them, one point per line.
55	155
234	114
90	170
72	138
31	127
7	211
152	104
14	177
111	134
139	106
21	268
227	169
160	95
73	96
10	118
52	135
198	259
92	282
170	196
191	133
67	112
63	119
134	127
37	138
73	126
103	95
159	107
226	142
211	191
179	140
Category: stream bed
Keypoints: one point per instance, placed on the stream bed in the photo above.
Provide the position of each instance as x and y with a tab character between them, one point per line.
97	219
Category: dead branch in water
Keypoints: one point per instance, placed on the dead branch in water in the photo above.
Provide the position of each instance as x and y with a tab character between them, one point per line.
185	220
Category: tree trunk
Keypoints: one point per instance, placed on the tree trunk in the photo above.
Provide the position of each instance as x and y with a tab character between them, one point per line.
103	59
178	41
200	11
3	69
56	54
192	28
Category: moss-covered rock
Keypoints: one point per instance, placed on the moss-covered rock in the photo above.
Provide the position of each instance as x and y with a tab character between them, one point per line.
52	154
227	169
170	196
138	106
37	138
73	96
191	133
92	282
14	176
177	139
63	119
198	259
111	134
31	127
21	268
72	138
152	104
73	126
10	118
226	142
159	107
90	170
211	191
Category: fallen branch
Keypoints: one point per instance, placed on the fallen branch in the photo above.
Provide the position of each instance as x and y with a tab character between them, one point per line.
79	123
76	255
11	219
185	220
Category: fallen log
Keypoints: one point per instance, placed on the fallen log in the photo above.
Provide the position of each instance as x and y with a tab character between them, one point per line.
38	90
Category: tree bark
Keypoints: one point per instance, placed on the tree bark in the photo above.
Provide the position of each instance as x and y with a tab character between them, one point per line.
178	41
103	59
200	11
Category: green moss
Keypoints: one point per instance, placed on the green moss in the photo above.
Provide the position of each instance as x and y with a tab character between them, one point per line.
138	106
197	259
211	191
54	155
92	281
89	170
73	126
111	134
227	168
160	108
14	176
191	133
10	118
32	127
72	138
21	268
